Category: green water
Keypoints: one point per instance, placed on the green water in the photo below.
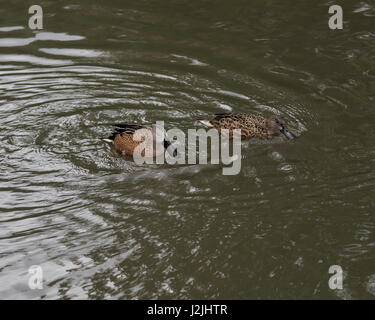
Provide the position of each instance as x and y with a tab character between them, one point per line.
102	227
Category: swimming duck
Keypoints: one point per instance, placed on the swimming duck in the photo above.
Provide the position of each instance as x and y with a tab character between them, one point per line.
123	139
252	126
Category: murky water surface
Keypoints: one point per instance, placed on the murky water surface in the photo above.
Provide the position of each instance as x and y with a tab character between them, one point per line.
102	227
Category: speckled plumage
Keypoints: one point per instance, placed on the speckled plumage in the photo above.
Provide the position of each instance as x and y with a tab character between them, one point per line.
251	125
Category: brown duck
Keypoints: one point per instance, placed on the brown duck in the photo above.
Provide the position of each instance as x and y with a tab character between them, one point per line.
251	126
123	139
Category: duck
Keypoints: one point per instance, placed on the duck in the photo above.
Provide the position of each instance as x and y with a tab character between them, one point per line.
124	143
251	125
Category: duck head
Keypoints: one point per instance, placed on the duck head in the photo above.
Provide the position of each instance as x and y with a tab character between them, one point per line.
276	125
160	136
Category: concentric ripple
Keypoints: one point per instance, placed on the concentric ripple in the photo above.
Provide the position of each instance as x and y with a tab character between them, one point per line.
102	227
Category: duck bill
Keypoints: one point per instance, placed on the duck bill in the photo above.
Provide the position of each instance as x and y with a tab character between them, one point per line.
287	133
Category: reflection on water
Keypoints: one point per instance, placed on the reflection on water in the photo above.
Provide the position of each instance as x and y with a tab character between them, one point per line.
41	36
102	227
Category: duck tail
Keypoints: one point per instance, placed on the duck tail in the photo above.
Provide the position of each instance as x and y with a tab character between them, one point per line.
112	137
206	123
109	139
